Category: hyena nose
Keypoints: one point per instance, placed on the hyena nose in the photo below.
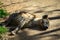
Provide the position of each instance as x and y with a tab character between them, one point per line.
44	28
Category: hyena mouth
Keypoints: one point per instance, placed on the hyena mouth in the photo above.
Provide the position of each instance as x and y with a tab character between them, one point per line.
44	28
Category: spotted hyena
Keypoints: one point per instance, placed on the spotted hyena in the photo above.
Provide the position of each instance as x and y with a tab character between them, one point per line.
23	19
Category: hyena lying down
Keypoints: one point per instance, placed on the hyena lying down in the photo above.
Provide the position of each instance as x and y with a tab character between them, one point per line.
23	19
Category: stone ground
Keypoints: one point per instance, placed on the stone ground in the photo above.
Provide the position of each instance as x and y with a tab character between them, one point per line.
39	8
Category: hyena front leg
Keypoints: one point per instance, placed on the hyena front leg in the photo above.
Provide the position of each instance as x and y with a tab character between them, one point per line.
16	30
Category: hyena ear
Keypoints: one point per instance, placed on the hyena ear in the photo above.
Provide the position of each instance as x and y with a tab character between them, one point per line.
44	16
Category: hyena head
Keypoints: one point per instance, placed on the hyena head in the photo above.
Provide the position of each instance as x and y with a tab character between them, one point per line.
45	22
